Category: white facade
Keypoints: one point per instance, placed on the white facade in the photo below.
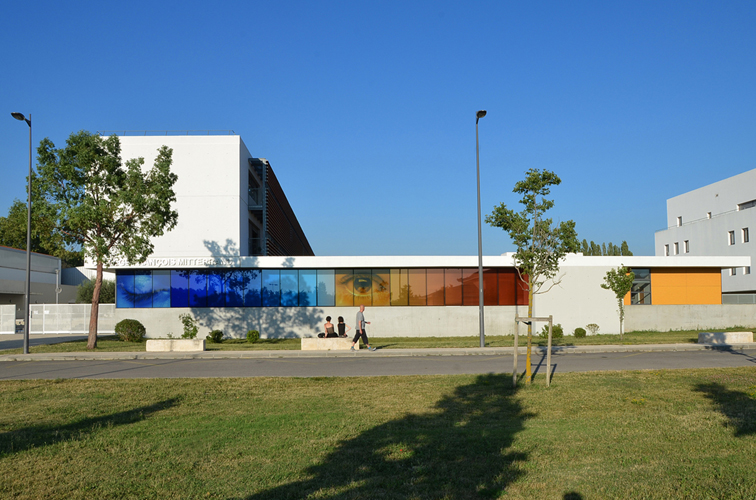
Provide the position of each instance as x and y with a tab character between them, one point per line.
575	301
718	219
211	193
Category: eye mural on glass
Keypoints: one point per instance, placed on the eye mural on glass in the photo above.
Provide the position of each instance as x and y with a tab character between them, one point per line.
380	285
179	288
161	288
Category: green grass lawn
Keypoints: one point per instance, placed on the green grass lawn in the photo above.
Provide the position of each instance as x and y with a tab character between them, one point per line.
654	434
112	344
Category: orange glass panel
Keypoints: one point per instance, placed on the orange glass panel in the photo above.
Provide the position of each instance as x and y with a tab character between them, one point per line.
453	285
399	286
344	288
435	279
470	287
418	287
381	291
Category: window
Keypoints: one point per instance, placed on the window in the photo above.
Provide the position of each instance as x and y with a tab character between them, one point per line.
677	248
748	204
708	215
747	270
679	221
666	250
733	271
640	293
686	246
744	233
731	237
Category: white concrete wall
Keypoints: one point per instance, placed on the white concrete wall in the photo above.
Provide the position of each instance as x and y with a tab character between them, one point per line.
291	322
710	236
689	317
208	192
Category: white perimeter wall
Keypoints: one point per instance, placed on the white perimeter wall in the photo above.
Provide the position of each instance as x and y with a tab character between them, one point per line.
208	192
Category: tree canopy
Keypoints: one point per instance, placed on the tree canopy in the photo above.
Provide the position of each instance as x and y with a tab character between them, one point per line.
110	208
44	238
605	248
541	245
619	281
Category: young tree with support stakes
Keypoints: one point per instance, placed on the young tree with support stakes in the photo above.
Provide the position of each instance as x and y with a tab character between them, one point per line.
619	281
540	246
110	209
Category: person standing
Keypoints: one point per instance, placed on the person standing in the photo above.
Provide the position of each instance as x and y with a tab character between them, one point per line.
360	329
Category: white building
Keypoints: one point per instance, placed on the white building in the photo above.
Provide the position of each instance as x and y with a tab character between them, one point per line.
229	202
715	220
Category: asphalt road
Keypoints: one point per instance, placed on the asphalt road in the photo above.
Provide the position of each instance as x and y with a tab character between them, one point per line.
366	366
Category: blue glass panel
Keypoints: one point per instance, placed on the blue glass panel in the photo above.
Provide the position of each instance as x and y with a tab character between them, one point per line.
253	288
234	289
326	287
289	287
271	288
179	288
143	289
125	289
161	288
307	287
197	289
215	281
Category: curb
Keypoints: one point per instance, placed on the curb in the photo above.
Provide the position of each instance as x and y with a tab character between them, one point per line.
382	353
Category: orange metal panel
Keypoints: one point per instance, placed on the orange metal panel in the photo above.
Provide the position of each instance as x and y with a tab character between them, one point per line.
682	286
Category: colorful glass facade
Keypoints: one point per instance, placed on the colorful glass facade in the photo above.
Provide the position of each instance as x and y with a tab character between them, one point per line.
317	287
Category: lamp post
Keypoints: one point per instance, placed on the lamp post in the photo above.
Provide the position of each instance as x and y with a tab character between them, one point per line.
27	320
480	114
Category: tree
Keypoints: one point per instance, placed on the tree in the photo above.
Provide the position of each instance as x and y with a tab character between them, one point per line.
540	246
43	238
619	281
85	291
110	209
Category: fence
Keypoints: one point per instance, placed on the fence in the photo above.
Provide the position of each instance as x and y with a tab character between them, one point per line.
8	318
70	318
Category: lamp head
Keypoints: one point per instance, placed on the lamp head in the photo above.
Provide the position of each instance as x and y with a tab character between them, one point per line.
21	117
480	114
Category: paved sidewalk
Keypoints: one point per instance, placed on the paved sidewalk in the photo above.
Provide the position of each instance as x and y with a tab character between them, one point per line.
475	351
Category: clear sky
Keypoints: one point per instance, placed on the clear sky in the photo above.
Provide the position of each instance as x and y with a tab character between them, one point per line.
366	111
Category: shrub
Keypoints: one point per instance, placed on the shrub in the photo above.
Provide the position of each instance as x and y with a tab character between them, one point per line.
215	337
556	331
253	336
593	328
579	333
190	326
130	330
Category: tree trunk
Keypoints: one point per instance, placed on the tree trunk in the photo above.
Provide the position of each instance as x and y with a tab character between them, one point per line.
92	340
528	374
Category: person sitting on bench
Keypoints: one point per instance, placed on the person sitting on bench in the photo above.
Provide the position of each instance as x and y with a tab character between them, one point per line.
329	329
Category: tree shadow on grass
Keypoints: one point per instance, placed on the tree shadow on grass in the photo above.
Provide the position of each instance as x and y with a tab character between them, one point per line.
459	449
43	435
738	407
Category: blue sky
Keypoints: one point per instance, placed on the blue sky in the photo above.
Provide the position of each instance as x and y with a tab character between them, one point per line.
367	111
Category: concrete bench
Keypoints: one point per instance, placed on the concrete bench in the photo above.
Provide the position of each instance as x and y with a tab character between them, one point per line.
725	337
332	344
171	345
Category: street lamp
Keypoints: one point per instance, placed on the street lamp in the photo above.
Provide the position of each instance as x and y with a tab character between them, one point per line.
480	114
27	321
